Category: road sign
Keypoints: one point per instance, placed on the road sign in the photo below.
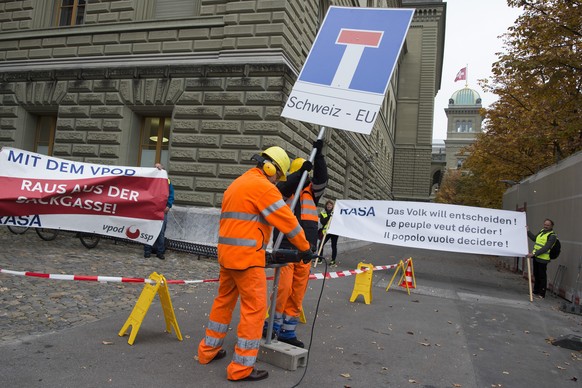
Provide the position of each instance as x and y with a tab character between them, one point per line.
347	71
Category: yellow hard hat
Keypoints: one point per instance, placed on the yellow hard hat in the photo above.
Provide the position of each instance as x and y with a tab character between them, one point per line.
279	158
296	164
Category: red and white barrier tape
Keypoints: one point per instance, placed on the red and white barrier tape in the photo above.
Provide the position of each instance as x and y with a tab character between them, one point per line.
340	274
114	279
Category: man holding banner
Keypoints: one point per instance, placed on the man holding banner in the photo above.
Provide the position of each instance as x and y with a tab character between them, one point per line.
159	247
544	241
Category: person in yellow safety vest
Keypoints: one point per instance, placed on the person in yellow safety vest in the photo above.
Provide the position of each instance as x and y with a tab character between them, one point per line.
251	206
295	276
324	218
544	241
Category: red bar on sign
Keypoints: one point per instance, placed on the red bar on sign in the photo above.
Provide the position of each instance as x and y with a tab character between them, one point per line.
360	37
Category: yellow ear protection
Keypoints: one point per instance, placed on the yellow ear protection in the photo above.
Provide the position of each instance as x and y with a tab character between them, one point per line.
268	167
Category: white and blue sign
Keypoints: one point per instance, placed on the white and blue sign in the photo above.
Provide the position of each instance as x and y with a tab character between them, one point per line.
347	71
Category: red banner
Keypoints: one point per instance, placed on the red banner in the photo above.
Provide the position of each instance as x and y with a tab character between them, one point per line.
42	191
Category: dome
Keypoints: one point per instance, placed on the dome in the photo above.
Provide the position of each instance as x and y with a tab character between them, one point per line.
465	96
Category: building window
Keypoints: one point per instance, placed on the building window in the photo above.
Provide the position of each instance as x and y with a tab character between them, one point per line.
71	12
176	9
45	135
464	126
155	139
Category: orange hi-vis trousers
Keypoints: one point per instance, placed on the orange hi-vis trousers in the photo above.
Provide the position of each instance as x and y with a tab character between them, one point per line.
251	286
293	280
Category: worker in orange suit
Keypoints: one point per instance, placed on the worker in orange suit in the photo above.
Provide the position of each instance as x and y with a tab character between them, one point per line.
251	206
295	276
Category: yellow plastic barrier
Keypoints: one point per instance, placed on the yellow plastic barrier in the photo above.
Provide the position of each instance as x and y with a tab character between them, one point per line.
143	304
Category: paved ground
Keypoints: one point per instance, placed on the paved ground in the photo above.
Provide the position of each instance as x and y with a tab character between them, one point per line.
32	306
468	323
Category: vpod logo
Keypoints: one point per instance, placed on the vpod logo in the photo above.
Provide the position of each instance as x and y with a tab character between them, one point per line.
132	232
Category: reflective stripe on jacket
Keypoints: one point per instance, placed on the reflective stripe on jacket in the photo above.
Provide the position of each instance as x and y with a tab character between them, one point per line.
306	211
541	240
250	206
308	207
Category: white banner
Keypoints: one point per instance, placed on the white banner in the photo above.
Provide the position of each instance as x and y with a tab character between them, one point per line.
433	226
41	191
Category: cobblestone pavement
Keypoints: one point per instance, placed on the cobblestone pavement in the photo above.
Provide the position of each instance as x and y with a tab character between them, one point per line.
30	306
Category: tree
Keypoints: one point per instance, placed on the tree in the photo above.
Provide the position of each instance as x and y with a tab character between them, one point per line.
537	119
462	187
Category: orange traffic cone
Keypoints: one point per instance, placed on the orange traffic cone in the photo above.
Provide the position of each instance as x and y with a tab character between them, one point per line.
408	281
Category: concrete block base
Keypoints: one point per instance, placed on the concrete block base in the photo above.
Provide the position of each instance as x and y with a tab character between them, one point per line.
282	355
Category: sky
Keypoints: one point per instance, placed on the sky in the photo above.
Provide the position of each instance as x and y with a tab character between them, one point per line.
471	38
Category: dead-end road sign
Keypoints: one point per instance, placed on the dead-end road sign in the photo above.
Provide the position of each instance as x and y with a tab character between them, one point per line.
347	71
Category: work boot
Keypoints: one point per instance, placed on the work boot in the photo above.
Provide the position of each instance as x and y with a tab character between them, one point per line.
287	332
292	341
221	354
256	375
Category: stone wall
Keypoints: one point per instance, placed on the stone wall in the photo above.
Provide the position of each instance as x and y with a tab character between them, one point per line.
221	76
420	74
16	15
553	193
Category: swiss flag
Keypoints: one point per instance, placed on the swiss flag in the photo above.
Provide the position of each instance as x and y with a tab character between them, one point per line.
461	75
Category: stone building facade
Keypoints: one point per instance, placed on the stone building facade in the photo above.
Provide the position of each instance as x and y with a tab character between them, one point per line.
463	125
200	86
419	81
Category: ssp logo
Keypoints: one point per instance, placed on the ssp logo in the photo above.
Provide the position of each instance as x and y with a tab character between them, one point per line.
132	234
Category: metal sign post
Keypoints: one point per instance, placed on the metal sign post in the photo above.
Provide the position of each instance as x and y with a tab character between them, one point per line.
278	242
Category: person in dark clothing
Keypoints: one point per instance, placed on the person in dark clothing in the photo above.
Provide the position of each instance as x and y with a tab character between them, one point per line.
324	218
159	247
540	255
295	276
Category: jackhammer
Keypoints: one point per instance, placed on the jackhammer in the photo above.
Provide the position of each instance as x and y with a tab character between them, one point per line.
284	256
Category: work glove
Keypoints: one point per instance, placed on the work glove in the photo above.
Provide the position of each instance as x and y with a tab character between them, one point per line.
307	166
318	145
307	256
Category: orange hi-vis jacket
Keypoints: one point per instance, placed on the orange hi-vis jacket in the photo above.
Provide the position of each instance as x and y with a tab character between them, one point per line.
250	207
308	206
307	214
